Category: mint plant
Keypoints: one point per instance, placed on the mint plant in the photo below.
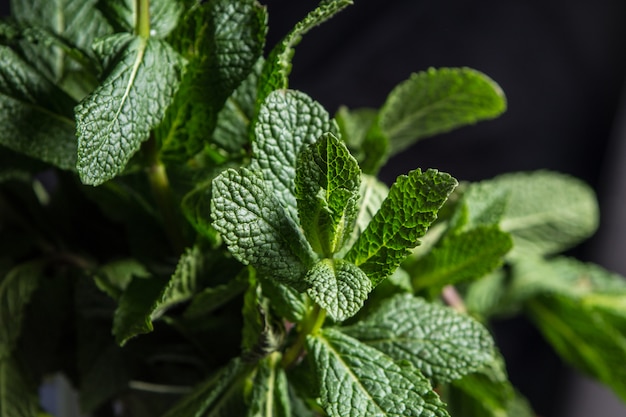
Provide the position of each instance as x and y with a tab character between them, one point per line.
184	235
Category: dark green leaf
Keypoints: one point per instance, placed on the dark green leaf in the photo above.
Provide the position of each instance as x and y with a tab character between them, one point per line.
437	101
338	286
114	277
357	380
113	121
16	289
213	397
17	397
287	121
222	43
210	299
461	257
123	15
275	75
441	343
25	96
257	229
403	218
327	191
286	301
136	305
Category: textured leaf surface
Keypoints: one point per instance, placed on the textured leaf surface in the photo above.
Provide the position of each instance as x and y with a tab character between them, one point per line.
269	396
25	96
357	380
117	117
221	43
461	257
287	121
547	212
437	101
213	397
339	287
441	343
327	191
287	302
403	218
16	289
277	68
257	229
17	397
123	15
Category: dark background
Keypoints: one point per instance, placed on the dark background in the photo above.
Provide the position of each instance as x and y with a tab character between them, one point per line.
562	66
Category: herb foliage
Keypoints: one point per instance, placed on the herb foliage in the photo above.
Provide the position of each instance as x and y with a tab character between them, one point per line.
185	235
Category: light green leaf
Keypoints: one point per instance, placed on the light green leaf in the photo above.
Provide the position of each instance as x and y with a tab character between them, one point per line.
441	343
16	289
437	101
484	297
372	193
359	129
256	227
357	380
327	190
338	286
113	121
133	315
17	397
461	257
221	43
270	395
275	75
287	121
25	95
482	205
547	212
215	396
403	218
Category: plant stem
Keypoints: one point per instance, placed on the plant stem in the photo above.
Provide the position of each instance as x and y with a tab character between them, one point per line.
160	185
452	297
310	325
142	25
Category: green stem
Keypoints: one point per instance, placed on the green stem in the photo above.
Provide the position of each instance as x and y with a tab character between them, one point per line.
160	185
310	325
142	25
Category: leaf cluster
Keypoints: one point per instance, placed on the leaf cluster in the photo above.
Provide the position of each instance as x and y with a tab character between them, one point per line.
184	235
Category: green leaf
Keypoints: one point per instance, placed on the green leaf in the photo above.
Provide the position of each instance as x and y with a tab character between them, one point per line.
133	315
286	301
547	212
357	380
17	397
461	257
275	75
338	286
359	129
287	121
113	121
25	95
212	298
16	289
232	131
257	229
123	15
196	206
270	395
403	218
372	193
213	397
585	336
481	205
114	277
327	190
437	101
222	43
441	343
